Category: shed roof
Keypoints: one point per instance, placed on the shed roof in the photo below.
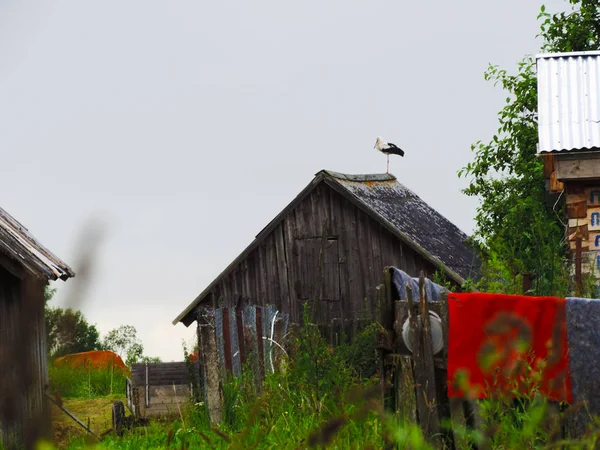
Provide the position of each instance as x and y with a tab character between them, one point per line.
17	243
397	209
568	101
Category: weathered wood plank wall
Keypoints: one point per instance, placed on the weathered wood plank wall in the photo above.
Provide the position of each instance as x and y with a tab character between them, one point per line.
284	269
23	408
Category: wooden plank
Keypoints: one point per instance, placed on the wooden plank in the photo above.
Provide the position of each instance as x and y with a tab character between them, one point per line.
577	167
170	391
260	345
433	427
548	159
283	270
584	247
443	313
593	218
227	357
240	334
573	223
592	195
594	241
577	210
405	394
555	184
576	198
583	229
416	331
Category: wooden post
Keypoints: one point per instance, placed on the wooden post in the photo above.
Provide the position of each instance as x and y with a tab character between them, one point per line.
212	374
386	318
578	283
405	401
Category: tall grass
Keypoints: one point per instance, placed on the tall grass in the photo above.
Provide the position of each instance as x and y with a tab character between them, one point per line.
84	383
328	398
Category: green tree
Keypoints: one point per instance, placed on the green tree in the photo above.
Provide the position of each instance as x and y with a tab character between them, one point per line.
124	341
517	230
67	330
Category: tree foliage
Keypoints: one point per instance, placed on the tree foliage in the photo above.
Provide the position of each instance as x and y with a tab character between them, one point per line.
125	343
69	332
518	231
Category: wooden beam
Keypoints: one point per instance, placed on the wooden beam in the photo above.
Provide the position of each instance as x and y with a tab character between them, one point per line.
577	167
548	164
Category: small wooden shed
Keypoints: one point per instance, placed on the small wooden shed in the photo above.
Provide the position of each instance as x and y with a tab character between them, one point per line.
330	245
25	269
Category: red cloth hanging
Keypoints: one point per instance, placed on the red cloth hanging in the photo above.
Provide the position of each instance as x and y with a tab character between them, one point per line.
491	324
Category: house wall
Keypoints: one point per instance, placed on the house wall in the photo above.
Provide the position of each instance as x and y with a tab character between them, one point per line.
23	357
284	269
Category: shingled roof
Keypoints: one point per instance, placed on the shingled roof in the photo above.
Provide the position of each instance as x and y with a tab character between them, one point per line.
414	221
397	209
18	244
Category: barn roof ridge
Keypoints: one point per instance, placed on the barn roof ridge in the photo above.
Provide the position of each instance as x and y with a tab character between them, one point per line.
362	190
21	246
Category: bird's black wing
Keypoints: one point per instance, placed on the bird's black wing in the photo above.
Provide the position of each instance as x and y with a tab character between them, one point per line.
394	149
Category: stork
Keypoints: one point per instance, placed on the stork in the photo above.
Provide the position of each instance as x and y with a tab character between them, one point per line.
388	149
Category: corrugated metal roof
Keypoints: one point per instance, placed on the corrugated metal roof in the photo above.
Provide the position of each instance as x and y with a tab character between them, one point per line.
18	243
568	101
413	218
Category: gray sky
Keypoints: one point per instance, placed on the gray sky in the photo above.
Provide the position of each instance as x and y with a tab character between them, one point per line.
186	126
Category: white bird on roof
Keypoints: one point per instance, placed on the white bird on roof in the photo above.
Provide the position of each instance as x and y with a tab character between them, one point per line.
388	149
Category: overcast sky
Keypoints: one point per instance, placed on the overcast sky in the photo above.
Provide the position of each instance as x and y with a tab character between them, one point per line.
186	126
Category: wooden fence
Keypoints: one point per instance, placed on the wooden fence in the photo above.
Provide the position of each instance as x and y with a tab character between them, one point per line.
252	338
159	389
415	382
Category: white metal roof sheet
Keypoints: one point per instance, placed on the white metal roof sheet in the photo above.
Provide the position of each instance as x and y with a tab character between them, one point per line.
568	101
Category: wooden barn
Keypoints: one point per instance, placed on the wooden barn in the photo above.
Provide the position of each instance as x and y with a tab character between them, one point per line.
25	269
330	245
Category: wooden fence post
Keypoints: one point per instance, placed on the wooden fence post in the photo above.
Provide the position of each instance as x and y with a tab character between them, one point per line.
212	372
423	360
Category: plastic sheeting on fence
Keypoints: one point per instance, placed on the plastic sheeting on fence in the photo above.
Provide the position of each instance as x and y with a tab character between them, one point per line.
433	290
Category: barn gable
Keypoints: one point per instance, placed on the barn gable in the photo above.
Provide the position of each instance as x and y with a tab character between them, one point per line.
361	223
